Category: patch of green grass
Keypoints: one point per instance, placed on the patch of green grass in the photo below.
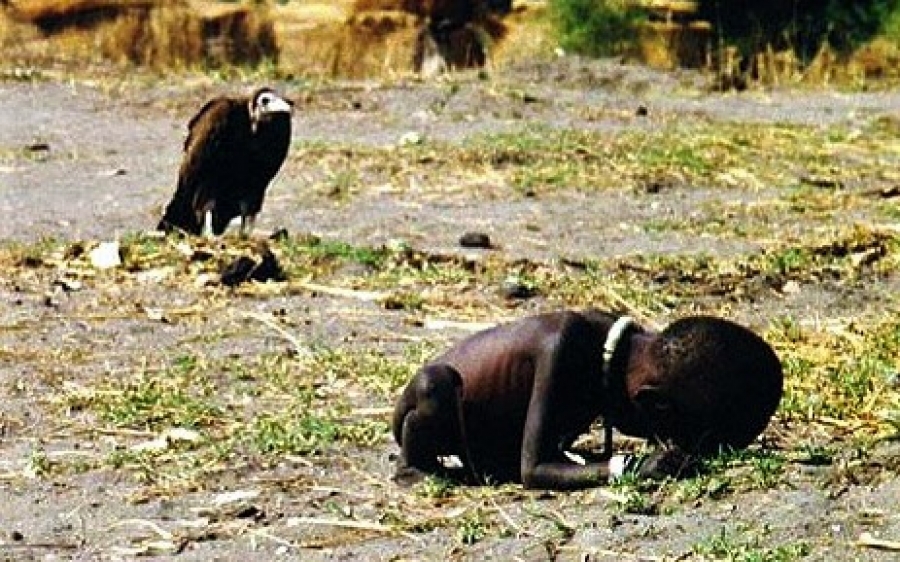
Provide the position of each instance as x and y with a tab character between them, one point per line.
815	454
844	374
436	488
674	157
35	254
404	300
635	495
767	470
800	402
296	433
178	397
596	27
788	260
264	406
472	526
890	210
39	463
742	546
731	472
308	253
147	467
341	250
154	405
378	373
541	159
139	244
712	486
343	183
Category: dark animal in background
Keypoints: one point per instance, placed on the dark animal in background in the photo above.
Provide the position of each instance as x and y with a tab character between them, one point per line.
458	34
234	148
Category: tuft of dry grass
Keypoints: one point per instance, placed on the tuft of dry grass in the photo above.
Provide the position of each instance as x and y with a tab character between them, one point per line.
52	14
374	44
165	36
347	44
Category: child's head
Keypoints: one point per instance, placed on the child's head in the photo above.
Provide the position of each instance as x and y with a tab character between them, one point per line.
707	383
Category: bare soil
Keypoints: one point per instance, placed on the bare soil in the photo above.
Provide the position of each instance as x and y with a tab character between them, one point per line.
88	161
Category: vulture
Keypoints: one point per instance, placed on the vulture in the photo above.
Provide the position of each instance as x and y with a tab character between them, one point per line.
234	147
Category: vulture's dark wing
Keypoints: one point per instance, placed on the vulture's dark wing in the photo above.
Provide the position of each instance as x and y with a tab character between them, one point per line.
216	136
207	108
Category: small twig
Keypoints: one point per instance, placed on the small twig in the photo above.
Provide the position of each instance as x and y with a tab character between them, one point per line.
618	498
554	517
145	523
299	460
346	524
619	555
299	348
870	541
117	432
342	292
640	315
273	538
440	324
509	520
374	412
53	545
836	422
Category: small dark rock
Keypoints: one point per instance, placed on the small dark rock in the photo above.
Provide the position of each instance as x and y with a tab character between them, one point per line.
407	476
67	285
50	300
657	184
238	271
475	240
74	250
513	289
652	187
38	147
394	303
17	536
31	261
280	234
201	255
641	111
823	182
269	269
248	269
250	512
888	192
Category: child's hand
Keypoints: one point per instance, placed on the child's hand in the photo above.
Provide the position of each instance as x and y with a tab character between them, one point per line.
670	462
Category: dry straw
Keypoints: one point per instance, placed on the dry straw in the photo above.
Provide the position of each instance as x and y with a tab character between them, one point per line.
156	33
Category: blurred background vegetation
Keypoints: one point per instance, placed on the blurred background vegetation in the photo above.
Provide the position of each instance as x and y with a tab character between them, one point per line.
760	39
608	27
739	41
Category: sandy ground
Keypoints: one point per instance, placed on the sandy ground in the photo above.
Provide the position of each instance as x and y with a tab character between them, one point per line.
83	162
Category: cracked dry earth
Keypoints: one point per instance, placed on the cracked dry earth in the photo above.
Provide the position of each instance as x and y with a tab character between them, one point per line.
89	161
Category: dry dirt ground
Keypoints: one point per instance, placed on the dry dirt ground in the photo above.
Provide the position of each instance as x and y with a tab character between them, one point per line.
84	477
